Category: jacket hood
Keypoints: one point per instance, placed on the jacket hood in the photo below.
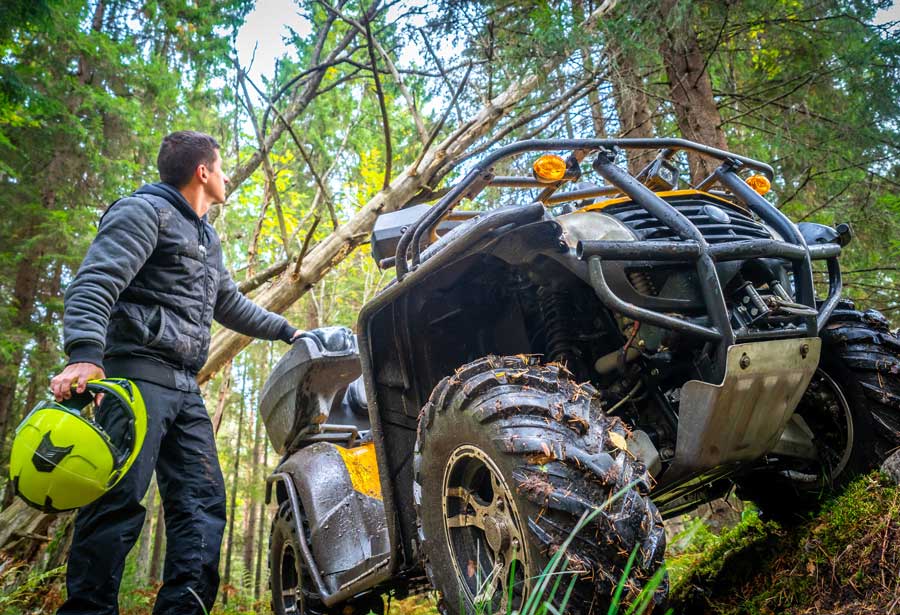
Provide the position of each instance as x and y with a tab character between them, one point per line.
172	195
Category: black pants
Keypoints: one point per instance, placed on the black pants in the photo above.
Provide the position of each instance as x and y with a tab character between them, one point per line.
180	445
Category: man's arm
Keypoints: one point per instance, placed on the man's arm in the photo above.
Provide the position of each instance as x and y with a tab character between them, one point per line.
238	313
127	236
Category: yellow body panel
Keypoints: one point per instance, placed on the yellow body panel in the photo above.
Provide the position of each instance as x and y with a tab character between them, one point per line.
667	193
363	469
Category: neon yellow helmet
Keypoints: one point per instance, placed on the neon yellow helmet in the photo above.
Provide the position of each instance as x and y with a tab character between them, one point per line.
62	459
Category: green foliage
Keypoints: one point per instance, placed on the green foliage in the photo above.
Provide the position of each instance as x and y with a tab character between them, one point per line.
28	588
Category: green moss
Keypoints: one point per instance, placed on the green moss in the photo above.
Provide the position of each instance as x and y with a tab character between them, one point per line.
836	562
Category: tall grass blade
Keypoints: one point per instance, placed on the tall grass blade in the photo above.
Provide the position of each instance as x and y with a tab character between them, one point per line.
617	595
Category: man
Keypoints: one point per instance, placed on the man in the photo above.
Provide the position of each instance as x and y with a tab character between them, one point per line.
141	307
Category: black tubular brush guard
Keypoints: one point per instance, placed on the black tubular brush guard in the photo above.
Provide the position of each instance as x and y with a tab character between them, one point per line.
693	247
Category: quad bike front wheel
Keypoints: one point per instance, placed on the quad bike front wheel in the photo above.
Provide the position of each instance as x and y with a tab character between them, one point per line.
510	455
290	587
852	408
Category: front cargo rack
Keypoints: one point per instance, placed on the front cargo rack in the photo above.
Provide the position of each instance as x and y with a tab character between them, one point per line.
684	242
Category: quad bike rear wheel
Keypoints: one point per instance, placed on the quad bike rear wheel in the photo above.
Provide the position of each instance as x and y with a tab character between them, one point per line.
290	587
852	406
510	454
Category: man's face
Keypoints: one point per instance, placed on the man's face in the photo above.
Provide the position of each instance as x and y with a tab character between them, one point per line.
216	180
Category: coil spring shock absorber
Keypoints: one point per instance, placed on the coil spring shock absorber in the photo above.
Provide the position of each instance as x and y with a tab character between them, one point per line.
642	282
557	315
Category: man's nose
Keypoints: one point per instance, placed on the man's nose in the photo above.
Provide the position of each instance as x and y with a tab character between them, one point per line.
227	181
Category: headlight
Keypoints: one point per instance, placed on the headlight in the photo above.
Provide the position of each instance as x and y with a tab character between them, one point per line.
592	226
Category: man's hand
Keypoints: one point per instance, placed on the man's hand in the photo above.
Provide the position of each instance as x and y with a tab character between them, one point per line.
74	374
296	335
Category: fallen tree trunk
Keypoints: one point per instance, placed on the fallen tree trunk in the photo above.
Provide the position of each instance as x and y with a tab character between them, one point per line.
333	249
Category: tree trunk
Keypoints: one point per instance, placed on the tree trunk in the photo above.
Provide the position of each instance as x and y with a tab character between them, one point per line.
234	479
596	106
158	544
434	164
632	104
690	87
257	582
224	392
143	558
250	535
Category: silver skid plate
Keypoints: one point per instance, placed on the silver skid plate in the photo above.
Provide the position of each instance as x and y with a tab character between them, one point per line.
742	418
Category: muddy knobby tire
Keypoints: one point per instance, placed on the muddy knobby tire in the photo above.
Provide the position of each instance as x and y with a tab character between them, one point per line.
862	354
859	371
554	446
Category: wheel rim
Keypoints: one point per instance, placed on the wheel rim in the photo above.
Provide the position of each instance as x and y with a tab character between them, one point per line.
483	532
826	411
289	579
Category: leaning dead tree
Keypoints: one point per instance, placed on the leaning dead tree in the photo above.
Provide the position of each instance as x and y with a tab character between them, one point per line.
435	161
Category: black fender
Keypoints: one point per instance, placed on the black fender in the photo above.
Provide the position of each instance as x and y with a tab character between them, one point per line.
337	492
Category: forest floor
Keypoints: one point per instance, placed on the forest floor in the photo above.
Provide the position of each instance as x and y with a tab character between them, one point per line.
844	560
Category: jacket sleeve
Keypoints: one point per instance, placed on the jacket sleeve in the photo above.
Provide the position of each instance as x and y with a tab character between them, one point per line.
238	313
126	238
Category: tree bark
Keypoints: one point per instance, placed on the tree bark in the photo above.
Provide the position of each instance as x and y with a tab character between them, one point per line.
143	557
250	534
690	88
224	392
257	582
158	544
436	162
234	479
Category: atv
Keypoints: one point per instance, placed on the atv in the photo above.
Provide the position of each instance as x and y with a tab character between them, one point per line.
587	358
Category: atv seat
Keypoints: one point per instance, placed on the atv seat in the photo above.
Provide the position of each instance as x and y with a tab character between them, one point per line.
315	391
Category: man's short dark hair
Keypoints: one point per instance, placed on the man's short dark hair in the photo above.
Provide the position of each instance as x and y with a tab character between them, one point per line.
181	153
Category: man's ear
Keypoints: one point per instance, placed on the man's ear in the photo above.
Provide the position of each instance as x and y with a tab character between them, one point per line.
202	173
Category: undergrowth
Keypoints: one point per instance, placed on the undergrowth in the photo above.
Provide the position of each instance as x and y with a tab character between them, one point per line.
843	560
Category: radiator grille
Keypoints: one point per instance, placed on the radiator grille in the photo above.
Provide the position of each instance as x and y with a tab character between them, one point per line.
739	227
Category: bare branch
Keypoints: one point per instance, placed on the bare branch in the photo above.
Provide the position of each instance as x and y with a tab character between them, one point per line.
295	274
271	189
440	66
437	128
385	122
411	182
258	279
391	68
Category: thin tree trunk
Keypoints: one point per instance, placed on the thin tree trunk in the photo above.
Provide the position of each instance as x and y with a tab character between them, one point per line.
252	517
224	392
587	61
234	479
257	582
690	87
158	544
143	558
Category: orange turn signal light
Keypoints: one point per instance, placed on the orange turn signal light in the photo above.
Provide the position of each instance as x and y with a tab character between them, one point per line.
759	183
549	168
